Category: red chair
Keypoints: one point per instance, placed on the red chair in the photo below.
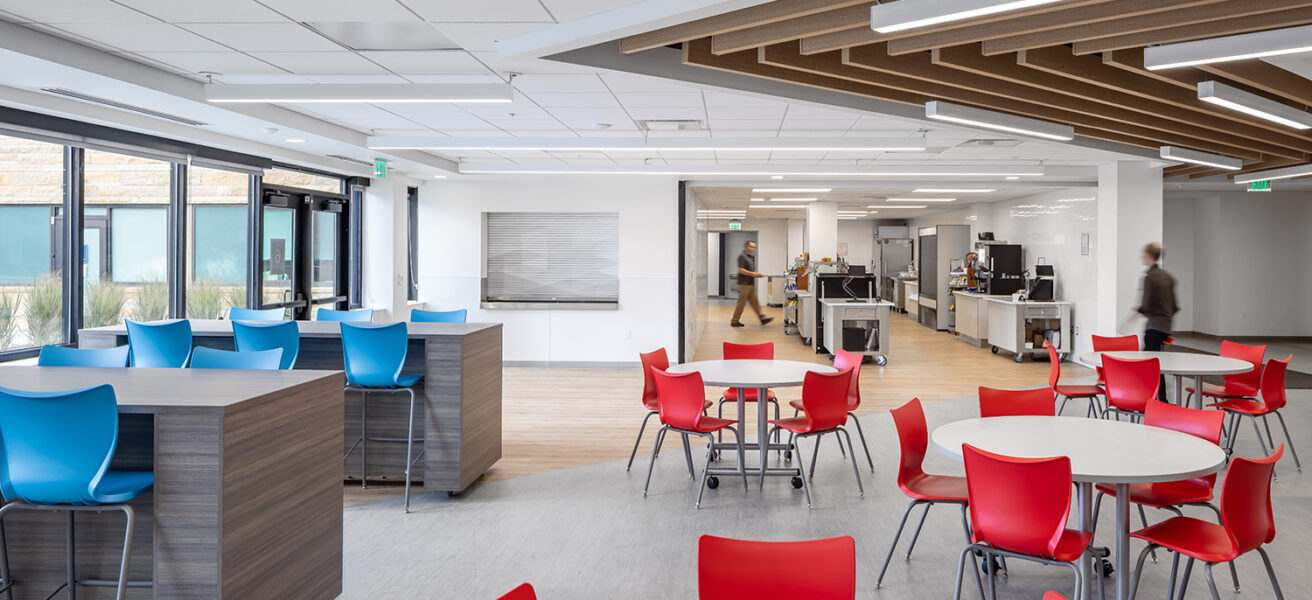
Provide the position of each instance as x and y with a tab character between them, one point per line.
824	410
1239	385
730	569
655	359
1272	392
1019	507
1011	403
844	360
921	487
1124	343
682	401
1246	525
1131	385
1053	596
1069	391
734	351
525	592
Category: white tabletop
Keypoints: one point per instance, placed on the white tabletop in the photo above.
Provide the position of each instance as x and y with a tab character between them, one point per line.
1101	451
752	373
1179	363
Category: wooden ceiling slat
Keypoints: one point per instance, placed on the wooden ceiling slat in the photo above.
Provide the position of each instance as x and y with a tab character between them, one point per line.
755	16
1131	59
1090	69
1107	102
1177	16
1184	33
865	35
1067	19
1265	77
850	17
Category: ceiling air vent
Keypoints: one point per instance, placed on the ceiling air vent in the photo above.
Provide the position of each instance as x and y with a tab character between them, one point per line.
989	143
352	160
67	93
671	124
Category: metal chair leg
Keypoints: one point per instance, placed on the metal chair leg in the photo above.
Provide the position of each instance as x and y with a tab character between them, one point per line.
70	564
364	440
903	523
130	515
742	467
801	469
1289	441
639	440
762	483
710	448
1138	572
409	448
1143	518
1211	581
1175	570
815	454
660	437
1064	399
864	445
915	536
855	470
1184	578
6	586
687	455
1270	572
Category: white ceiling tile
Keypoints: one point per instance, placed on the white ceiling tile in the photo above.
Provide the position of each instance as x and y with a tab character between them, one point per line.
586	100
771	125
613	132
618	127
559	82
144	37
265	37
321	63
796	155
405	132
353	79
229	11
483	37
593	114
744	133
817	124
440	62
74	11
465	78
741	161
746	112
793	161
689	133
524	154
517	124
658	113
806	111
701	155
342	10
455	11
623	82
565	10
742	155
228	63
507	65
462	132
261	78
683	99
363	116
726	99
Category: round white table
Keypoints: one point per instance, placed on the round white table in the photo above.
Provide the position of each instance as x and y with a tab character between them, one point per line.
1101	451
759	375
1179	365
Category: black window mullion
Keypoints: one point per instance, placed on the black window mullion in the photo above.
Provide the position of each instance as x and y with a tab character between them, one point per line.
255	249
354	247
74	194
177	240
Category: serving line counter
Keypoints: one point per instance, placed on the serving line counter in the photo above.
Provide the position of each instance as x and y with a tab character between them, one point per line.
461	411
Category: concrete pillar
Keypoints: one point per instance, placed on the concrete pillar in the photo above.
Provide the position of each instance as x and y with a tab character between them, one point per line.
822	230
385	254
1129	216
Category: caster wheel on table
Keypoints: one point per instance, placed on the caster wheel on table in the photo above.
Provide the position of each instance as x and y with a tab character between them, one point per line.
994	349
881	360
797	483
1019	357
1106	567
788	455
715	456
712	482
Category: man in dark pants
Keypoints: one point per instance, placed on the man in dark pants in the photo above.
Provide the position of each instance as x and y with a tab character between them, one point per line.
747	277
1158	305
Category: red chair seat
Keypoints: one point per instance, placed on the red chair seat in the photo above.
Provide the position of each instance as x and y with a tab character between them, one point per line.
731	395
936	488
1199	539
1239	405
1078	391
1232	390
1072	544
1166	493
654	404
795	424
712	424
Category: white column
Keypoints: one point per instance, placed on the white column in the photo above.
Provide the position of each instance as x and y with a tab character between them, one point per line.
822	230
384	249
1129	216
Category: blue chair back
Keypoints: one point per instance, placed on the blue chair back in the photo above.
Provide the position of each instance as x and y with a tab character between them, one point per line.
284	335
61	356
437	316
163	344
249	314
374	354
362	315
253	360
55	446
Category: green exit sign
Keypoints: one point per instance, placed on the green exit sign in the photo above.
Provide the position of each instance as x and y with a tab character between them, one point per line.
735	225
380	168
1260	186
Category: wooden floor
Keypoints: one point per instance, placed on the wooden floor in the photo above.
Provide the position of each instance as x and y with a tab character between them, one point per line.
562	418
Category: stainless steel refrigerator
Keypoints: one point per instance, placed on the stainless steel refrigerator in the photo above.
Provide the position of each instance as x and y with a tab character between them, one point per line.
892	256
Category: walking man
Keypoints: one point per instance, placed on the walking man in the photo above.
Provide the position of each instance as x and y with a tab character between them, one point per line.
1158	305
747	277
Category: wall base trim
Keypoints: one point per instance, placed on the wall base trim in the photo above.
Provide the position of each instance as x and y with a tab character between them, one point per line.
1291	339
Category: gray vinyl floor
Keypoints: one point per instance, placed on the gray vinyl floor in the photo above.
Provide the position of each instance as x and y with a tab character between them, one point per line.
589	533
1275	349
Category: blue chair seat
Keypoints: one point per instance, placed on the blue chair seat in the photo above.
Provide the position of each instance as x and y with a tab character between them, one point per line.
401	381
120	486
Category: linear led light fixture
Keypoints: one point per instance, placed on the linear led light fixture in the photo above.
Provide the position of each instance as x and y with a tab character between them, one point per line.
381	93
792	199
888	18
756	199
1233	98
903	206
952	191
754	171
649	145
790	190
1282	173
1201	158
1292	40
988	119
920	199
777	206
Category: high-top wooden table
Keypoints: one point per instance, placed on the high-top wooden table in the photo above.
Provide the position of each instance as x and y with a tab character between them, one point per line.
247	500
461	393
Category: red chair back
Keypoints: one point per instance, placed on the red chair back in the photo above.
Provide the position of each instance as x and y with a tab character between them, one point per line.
913	438
824	399
1010	403
1124	343
844	360
525	592
654	359
1273	383
682	398
1018	504
1246	501
734	351
1131	384
816	569
1054	371
1243	382
1054	595
1205	424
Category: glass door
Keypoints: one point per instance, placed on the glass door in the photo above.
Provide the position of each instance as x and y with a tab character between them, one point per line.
302	251
278	270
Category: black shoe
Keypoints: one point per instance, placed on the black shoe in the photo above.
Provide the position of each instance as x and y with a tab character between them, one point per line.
736	324
766	320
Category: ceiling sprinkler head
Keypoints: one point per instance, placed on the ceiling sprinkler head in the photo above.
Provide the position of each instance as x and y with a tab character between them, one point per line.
601	125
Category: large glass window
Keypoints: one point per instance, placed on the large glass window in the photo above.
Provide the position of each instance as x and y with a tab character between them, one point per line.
303	180
127	204
216	241
324	284
31	201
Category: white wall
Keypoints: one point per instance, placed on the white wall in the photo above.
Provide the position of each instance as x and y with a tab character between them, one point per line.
796	239
450	263
697	274
860	238
713	266
822	230
1129	216
1180	257
385	263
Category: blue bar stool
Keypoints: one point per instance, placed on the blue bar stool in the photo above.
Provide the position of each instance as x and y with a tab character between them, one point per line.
360	315
55	449
437	316
62	356
284	335
164	344
250	314
373	356
251	360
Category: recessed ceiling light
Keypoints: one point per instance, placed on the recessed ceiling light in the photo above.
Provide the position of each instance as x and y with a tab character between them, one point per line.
776	177
756	199
1221	94
792	199
920	199
777	206
899	206
988	119
1292	40
888	18
439	177
1013	177
1201	158
295	141
653	144
952	191
790	190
